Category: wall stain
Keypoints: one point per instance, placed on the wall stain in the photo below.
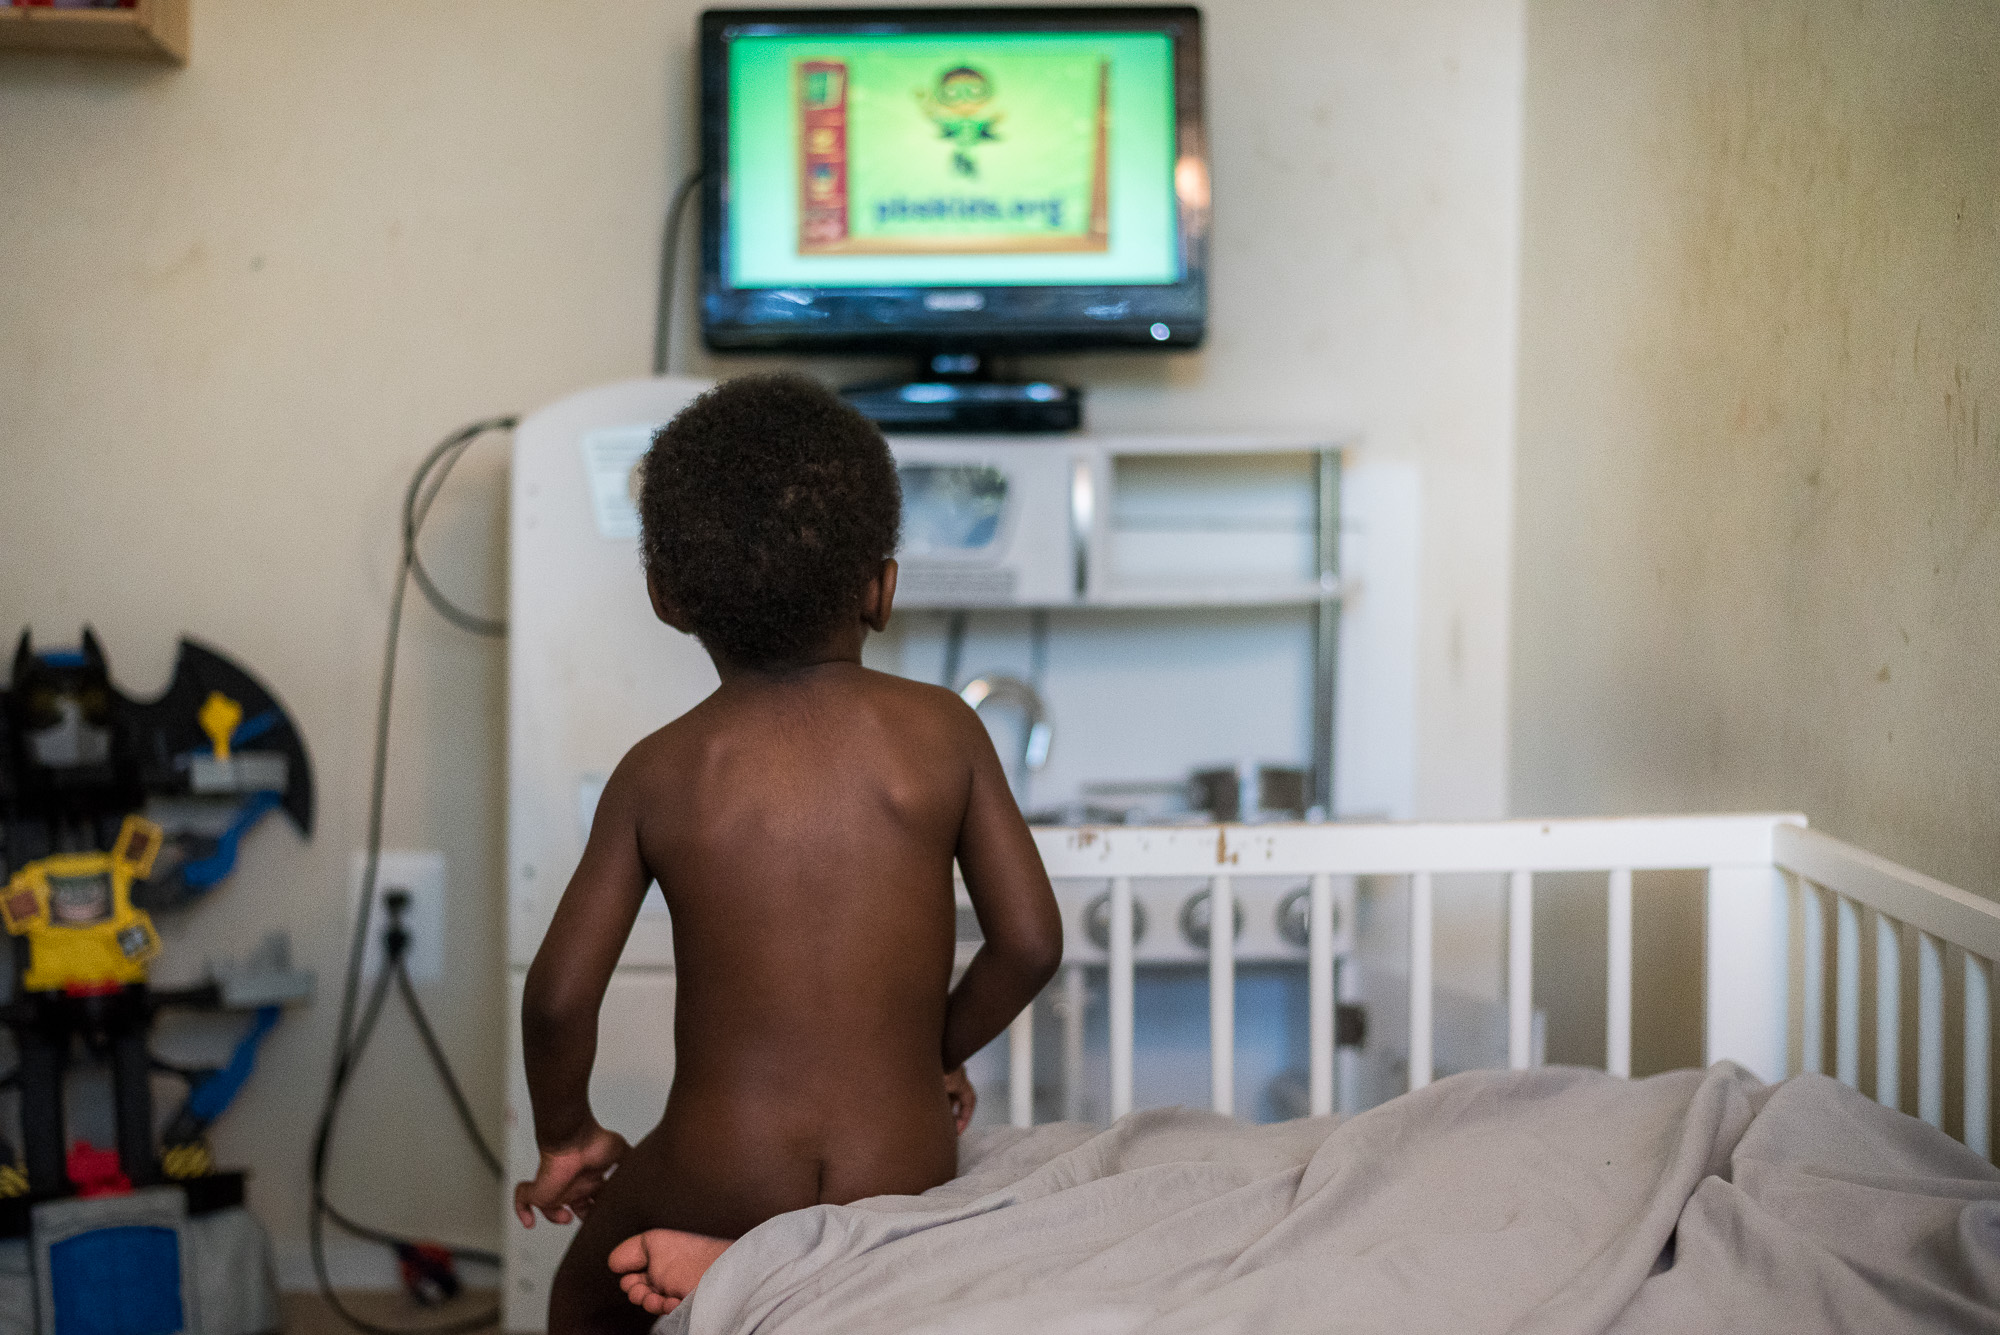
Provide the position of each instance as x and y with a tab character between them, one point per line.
191	260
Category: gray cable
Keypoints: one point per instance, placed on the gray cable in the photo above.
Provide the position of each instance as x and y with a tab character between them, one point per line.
416	508
1038	649
670	245
954	647
351	1040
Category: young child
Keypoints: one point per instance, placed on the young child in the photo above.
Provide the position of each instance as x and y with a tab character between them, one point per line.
801	822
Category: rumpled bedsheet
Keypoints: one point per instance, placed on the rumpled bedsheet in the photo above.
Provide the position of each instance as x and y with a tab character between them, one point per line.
1545	1201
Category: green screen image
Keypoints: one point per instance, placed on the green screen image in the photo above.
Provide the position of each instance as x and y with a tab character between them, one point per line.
944	160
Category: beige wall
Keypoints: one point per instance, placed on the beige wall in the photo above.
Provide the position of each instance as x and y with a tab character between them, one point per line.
1758	504
239	300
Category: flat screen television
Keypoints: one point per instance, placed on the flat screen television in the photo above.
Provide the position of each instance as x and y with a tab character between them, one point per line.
953	180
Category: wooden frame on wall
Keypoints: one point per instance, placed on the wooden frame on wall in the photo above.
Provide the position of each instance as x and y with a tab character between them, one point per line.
151	30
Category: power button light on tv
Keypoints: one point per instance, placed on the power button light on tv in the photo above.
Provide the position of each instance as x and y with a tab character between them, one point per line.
1159	331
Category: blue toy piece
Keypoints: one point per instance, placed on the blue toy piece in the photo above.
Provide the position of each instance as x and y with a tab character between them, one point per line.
216	1093
204	872
115	1265
118	1281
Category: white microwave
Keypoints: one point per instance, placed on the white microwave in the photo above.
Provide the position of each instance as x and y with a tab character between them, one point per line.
994	523
1112	521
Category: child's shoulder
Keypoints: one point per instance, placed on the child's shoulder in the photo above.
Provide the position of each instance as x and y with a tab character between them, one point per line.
919	696
859	693
910	706
854	721
904	690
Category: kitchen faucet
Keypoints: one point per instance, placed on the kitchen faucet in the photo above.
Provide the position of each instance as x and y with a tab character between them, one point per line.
997	689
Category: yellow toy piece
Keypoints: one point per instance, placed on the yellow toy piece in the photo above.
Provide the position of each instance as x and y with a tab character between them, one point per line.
218	717
193	1159
76	911
13	1181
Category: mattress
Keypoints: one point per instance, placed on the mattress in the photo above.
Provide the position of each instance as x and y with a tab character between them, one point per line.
1551	1200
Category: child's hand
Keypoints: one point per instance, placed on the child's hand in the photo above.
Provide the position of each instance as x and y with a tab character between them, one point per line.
565	1186
964	1098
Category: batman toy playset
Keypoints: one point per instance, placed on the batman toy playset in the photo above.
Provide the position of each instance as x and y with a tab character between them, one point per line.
114	809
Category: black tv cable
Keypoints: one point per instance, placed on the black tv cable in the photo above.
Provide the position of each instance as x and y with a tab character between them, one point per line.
670	247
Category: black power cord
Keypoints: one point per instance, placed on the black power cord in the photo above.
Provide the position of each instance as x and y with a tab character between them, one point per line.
351	1038
670	249
395	969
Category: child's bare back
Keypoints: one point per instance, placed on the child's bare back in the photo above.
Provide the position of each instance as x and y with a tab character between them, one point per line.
802	823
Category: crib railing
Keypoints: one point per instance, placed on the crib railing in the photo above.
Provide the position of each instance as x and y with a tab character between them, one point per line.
1767	1003
1895	915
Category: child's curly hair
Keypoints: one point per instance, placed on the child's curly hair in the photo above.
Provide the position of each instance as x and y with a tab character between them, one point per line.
765	506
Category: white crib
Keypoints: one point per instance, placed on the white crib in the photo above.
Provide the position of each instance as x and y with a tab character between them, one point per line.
1781	993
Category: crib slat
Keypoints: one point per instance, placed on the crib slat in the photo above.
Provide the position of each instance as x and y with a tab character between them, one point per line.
1222	996
1978	1054
1319	989
1420	979
1021	1068
1746	940
1847	992
1618	976
1074	998
1930	1029
1121	996
1520	970
1812	1028
1888	1012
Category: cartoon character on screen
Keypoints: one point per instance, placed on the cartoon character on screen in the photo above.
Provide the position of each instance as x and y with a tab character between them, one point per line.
111	807
959	107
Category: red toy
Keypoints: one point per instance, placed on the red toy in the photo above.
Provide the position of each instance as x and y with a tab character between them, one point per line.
95	1172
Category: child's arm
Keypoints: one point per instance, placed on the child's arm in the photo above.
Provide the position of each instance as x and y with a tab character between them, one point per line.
559	1005
1016	909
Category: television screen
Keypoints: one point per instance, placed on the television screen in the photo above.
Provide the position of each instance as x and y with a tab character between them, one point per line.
976	179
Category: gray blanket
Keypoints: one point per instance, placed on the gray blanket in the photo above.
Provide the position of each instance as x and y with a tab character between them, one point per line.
1548	1201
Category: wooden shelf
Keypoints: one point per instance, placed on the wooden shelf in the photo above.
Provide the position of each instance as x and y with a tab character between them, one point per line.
155	30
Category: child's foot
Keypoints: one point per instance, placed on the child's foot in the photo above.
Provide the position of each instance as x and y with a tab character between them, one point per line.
660	1267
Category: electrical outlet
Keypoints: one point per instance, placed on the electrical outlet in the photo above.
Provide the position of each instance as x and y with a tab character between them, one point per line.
420	872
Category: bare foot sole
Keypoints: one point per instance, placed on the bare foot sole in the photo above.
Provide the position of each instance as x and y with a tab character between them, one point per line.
660	1267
